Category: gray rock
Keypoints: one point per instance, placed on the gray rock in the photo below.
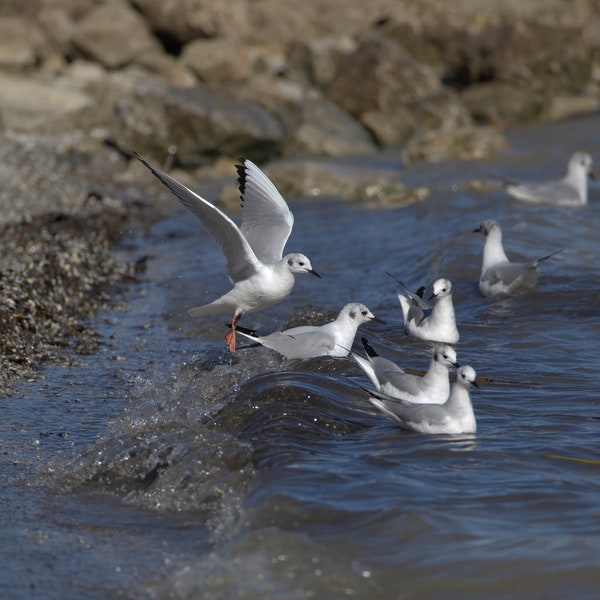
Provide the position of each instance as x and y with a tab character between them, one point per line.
321	127
445	111
200	122
218	60
184	20
21	43
465	143
30	103
380	75
114	35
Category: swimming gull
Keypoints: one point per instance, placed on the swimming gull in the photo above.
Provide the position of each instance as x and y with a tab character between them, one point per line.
453	417
392	380
500	276
570	191
308	341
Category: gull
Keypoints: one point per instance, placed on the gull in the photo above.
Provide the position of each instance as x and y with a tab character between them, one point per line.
260	275
570	191
436	324
500	276
390	379
332	339
453	417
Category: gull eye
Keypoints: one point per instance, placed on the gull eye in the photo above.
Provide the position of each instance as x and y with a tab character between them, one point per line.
301	263
363	313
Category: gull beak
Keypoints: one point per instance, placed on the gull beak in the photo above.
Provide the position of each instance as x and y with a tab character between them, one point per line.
455	365
591	174
478	230
378	320
313	272
434	295
475	384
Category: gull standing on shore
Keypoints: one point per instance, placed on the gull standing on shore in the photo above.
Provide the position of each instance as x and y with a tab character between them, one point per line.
500	276
260	275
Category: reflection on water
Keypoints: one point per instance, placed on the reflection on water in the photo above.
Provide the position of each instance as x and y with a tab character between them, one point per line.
174	468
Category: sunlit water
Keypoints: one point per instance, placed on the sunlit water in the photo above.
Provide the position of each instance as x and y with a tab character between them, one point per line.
165	467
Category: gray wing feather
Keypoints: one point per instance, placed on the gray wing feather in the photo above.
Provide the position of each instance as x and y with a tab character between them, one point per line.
267	220
241	260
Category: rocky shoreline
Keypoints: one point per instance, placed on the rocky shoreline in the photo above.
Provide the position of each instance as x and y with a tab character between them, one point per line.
200	82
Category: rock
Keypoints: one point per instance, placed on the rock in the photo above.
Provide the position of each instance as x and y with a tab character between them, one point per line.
20	43
200	122
38	104
568	107
114	35
310	179
218	60
465	143
399	124
321	127
177	22
496	102
167	68
379	76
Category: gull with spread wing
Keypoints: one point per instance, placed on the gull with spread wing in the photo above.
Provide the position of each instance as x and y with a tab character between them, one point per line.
261	276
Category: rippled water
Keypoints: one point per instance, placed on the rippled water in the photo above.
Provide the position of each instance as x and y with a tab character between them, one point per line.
165	467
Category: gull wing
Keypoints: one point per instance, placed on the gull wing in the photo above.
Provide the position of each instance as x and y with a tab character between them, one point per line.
309	344
267	221
242	262
416	299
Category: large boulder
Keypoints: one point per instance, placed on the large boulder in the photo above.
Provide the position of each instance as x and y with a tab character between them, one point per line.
113	34
202	121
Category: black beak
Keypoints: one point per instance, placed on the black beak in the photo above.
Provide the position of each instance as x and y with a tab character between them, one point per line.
431	297
313	272
591	174
455	365
478	230
378	320
475	384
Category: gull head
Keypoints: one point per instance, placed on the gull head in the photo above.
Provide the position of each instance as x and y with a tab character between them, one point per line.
446	355
441	287
488	226
357	312
581	162
466	376
298	263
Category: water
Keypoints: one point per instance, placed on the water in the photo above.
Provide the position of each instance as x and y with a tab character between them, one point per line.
165	467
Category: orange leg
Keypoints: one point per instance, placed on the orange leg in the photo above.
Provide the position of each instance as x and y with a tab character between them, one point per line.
230	336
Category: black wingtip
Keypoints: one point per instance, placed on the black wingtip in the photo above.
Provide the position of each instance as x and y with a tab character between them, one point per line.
371	353
420	292
242	177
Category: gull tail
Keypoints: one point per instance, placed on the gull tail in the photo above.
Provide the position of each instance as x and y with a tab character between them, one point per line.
539	260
